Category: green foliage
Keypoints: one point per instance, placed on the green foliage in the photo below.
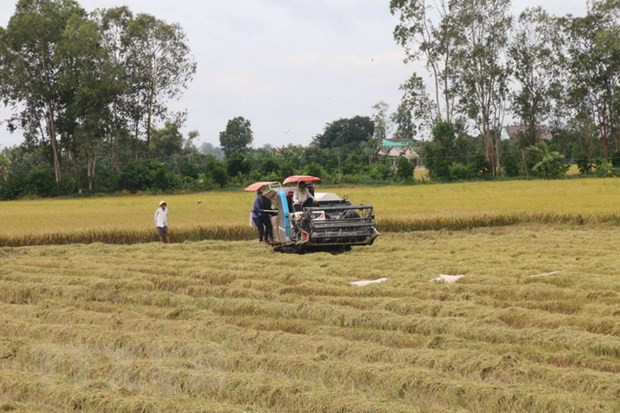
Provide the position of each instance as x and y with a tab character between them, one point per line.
535	65
593	68
381	170
287	168
315	169
166	141
353	164
90	79
510	159
404	169
237	136
143	175
403	119
236	164
40	181
460	172
615	159
441	151
549	163
269	165
216	171
584	163
605	168
159	64
346	133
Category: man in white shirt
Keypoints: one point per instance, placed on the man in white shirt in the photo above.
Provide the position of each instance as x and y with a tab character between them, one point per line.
161	222
302	197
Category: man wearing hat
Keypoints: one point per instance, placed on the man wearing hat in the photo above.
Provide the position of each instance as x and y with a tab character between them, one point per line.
259	223
302	197
161	222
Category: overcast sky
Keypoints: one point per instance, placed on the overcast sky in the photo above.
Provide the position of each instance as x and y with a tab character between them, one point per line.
289	66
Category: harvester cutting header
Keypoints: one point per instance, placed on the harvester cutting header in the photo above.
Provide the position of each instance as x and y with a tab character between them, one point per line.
303	219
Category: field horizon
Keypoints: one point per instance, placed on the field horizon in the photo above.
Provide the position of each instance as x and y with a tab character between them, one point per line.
225	215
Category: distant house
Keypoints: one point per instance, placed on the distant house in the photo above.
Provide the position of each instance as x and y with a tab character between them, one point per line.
542	132
395	148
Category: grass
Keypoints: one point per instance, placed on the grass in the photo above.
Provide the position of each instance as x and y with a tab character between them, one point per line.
225	215
231	326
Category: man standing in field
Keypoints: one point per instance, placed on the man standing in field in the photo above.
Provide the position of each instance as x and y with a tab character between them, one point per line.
161	222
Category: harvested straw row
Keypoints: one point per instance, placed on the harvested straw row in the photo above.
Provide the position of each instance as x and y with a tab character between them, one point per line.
242	232
118	236
225	326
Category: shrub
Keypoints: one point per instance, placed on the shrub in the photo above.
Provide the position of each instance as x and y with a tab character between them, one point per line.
479	166
510	161
315	169
615	159
236	164
141	175
549	163
12	186
381	170
441	152
41	182
404	169
584	163
604	168
216	172
460	171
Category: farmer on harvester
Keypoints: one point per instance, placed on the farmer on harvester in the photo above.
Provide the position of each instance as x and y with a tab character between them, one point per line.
302	197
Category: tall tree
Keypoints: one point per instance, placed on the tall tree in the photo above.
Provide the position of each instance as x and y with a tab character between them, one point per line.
403	119
167	141
536	60
427	31
31	69
126	106
159	67
237	136
536	66
90	87
416	99
381	121
482	74
594	68
346	133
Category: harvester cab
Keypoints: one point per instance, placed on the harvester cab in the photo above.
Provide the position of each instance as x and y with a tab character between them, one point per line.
328	222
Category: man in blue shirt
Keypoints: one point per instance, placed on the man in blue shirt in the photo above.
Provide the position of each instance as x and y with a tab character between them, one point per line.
257	217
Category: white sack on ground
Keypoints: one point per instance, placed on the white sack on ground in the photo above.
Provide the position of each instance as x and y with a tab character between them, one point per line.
445	278
362	283
544	274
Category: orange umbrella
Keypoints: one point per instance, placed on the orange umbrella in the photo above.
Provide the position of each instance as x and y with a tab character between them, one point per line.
258	185
301	178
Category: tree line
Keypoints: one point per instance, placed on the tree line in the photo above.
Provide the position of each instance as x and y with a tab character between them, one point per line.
487	67
89	86
90	91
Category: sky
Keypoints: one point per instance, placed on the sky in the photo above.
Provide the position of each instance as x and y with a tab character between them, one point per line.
289	66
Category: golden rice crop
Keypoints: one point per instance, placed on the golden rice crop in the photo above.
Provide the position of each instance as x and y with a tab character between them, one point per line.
534	325
225	215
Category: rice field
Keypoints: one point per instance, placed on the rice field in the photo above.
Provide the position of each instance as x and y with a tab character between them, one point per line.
214	326
225	215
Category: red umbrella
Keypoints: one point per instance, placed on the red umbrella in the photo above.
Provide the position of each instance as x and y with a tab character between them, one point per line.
258	185
301	178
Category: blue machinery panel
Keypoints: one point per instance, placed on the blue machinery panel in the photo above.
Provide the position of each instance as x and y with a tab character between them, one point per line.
285	211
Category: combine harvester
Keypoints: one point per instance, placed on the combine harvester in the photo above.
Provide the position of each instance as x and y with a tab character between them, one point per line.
330	224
